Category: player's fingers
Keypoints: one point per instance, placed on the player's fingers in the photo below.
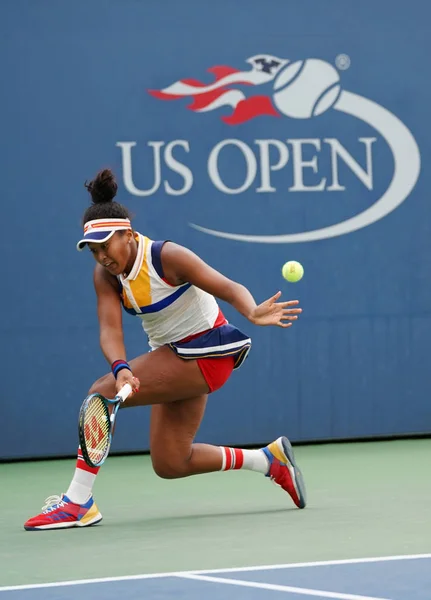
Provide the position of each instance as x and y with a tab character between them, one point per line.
284	325
288	303
275	297
289	317
292	311
136	384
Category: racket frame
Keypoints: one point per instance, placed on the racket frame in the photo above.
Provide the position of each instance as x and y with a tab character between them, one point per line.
122	395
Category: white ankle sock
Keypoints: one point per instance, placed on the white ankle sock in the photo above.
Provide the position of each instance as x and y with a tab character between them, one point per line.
81	486
255	460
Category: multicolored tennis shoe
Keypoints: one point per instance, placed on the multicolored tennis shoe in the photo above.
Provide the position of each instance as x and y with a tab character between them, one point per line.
59	512
284	471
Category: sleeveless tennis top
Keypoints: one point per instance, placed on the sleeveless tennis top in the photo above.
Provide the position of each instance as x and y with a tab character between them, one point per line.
184	317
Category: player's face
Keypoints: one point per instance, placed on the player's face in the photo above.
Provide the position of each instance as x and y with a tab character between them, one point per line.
117	254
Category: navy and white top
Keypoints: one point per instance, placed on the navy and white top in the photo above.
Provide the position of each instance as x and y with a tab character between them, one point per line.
184	317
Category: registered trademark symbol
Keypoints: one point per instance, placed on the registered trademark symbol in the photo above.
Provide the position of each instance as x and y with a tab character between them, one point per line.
342	62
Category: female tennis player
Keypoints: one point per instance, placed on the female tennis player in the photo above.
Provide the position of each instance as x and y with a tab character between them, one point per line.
194	351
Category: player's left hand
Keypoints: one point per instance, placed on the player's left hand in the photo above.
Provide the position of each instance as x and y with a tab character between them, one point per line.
272	312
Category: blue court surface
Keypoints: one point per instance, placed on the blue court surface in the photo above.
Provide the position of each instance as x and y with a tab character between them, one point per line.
383	578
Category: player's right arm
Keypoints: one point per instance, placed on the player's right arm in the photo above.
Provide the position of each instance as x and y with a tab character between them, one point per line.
110	317
109	312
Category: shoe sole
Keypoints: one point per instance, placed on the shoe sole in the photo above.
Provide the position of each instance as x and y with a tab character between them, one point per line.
295	471
68	525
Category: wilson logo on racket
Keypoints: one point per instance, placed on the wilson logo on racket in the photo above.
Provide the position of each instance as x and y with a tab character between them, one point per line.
94	432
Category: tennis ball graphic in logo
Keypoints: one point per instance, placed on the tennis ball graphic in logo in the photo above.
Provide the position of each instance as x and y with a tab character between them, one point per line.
306	88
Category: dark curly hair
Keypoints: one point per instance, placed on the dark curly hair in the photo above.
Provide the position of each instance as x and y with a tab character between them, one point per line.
103	189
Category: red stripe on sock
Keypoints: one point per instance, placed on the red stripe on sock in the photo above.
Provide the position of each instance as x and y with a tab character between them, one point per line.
228	456
81	464
239	458
234	458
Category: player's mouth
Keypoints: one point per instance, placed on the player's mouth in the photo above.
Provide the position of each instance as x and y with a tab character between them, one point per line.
110	266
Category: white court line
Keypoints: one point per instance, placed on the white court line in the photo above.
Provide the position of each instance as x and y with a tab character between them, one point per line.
279	588
324	563
321	563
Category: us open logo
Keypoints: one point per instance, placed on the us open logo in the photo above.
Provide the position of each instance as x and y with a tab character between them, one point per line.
300	90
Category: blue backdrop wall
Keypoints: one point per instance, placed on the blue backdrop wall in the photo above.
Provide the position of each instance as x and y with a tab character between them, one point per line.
253	133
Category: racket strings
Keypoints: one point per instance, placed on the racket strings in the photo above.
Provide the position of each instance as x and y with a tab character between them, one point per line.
96	429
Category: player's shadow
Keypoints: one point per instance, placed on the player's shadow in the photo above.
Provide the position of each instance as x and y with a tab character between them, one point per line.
180	520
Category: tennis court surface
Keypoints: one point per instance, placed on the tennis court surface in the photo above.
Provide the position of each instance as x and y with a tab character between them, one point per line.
366	533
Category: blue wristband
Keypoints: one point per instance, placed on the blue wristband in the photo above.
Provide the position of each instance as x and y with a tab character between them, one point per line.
117	365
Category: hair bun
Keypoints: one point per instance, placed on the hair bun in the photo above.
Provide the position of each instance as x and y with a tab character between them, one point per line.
103	188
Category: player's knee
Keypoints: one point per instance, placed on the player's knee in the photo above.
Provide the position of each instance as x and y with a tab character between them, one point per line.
170	468
100	386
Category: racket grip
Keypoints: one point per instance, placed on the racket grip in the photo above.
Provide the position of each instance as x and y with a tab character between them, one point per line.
125	391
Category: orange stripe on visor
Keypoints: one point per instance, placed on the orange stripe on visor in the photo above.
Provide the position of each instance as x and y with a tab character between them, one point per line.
100	230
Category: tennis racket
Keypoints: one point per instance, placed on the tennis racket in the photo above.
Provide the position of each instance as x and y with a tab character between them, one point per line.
96	425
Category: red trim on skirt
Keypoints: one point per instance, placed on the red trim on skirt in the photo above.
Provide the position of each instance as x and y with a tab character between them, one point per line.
216	371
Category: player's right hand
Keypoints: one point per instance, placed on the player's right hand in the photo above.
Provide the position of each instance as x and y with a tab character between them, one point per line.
126	376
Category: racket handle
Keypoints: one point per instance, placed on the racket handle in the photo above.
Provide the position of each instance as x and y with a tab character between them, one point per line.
125	391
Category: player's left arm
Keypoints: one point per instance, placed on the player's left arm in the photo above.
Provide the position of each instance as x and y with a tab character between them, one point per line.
181	265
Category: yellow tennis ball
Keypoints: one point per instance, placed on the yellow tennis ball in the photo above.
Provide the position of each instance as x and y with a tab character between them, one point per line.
292	271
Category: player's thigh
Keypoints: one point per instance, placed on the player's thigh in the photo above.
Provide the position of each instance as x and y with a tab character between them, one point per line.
164	378
173	428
